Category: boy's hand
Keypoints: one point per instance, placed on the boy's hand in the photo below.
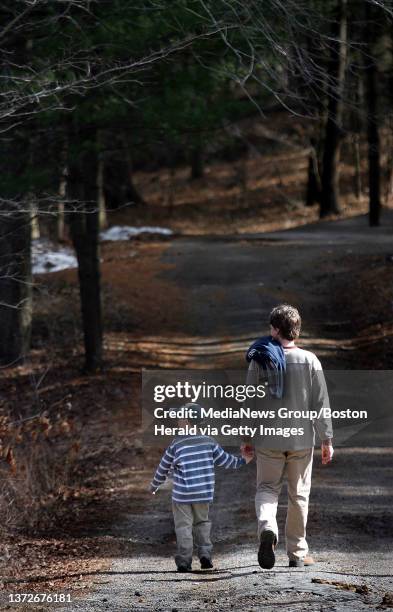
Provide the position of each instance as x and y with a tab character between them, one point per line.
247	452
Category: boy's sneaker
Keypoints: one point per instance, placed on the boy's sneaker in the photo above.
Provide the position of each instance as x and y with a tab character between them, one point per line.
296	563
266	556
182	567
206	563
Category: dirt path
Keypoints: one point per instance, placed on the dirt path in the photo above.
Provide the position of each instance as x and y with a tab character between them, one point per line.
226	285
349	548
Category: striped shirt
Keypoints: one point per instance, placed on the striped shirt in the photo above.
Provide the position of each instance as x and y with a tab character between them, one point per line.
192	460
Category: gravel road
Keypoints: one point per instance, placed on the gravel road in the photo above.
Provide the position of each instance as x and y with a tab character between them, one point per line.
349	533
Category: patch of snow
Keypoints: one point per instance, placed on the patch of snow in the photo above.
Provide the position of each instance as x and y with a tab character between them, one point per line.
125	232
49	257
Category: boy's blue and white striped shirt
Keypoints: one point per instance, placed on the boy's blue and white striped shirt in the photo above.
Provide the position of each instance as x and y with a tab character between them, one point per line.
192	460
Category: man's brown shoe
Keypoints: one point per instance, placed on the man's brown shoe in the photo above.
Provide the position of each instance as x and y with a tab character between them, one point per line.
307	561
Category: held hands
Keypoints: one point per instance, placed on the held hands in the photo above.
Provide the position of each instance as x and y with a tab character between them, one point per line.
327	451
247	452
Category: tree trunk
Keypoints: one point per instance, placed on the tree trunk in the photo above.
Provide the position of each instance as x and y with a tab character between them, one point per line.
103	219
331	155
389	167
84	229
358	173
15	283
170	200
197	163
372	120
60	213
313	192
60	223
242	179
35	222
357	125
315	106
118	185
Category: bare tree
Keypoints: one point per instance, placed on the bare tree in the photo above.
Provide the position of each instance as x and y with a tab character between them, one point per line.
334	130
15	282
371	71
83	217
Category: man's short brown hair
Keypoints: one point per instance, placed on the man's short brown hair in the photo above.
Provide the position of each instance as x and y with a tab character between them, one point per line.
287	320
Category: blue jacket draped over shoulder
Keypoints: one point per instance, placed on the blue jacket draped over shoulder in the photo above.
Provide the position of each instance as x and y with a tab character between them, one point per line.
269	354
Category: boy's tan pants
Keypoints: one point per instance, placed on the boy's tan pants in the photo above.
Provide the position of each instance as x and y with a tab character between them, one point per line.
191	520
271	467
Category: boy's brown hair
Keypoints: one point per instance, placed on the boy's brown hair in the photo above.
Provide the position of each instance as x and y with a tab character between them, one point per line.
287	320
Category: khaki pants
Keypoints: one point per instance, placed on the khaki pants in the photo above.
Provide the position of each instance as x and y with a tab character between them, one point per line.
271	467
191	520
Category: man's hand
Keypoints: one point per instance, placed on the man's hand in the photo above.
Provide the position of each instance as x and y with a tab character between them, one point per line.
327	451
247	452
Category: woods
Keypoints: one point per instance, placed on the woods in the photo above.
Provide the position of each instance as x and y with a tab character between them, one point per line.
81	82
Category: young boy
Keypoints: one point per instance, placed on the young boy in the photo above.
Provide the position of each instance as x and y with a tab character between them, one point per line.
192	460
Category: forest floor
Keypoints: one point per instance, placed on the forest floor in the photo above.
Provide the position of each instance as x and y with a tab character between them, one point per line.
198	299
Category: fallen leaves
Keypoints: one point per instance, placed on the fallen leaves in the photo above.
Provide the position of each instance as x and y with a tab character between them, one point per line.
53	564
387	601
94	445
362	589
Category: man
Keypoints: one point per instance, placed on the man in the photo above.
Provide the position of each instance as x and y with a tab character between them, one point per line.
304	389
